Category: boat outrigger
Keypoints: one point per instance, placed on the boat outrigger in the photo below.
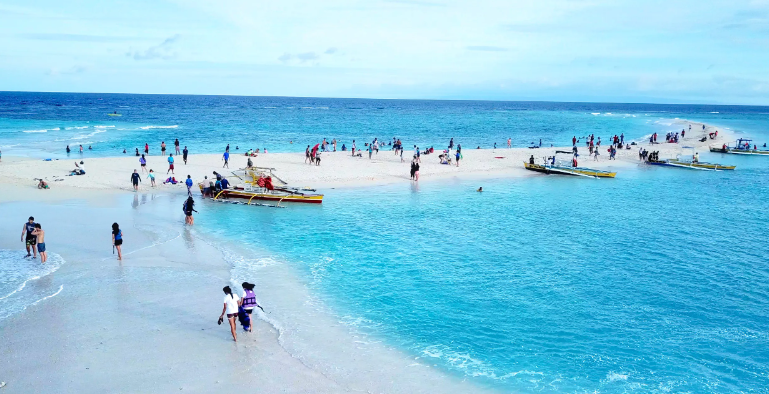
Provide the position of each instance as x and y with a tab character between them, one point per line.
258	185
553	166
741	147
690	161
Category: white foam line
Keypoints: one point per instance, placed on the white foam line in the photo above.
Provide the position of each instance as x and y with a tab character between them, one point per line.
148	246
50	296
20	288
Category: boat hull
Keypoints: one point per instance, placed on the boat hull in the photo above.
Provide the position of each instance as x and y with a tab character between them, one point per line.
251	195
734	151
690	165
575	171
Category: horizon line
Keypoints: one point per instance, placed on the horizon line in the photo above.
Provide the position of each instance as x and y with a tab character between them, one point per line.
395	98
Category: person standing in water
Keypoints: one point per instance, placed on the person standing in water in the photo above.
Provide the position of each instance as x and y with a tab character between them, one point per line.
163	148
28	236
135	179
40	235
231	309
189	207
185	152
117	240
146	148
248	302
176	145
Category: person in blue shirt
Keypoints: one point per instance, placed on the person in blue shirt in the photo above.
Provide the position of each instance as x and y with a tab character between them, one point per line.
170	164
225	183
188	182
226	158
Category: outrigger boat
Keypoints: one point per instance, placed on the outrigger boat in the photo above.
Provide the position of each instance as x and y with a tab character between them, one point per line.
692	162
258	185
741	147
558	167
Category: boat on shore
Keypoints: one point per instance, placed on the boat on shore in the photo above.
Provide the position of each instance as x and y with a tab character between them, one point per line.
258	185
690	161
553	166
741	147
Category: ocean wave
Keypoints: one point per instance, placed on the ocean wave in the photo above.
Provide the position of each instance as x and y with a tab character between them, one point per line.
614	377
595	113
89	135
103	127
158	127
41	131
76	128
16	272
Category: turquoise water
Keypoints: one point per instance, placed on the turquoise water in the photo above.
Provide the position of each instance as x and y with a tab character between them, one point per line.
655	281
43	124
652	282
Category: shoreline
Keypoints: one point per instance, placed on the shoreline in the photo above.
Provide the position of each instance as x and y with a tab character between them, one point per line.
337	169
158	308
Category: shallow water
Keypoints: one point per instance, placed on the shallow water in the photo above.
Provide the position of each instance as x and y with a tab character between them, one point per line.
655	281
24	281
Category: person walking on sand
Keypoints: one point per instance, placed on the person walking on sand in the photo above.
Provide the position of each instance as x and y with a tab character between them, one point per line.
189	207
370	150
163	148
40	235
307	154
226	158
188	182
170	164
28	237
117	240
458	156
152	178
185	152
135	179
176	145
231	309
143	162
353	147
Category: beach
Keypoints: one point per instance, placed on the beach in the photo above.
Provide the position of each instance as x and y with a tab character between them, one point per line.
148	323
337	169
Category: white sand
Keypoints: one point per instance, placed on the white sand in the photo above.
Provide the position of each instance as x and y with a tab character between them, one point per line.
148	324
337	169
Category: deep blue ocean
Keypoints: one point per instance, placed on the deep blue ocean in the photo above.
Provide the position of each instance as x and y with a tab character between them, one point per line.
656	281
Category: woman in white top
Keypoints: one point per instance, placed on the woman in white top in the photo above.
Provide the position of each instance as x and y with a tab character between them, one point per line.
231	308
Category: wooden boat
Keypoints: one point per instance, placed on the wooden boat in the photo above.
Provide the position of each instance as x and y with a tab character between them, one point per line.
564	170
741	147
257	185
691	165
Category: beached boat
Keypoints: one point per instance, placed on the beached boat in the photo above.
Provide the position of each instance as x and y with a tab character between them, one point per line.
690	161
741	147
691	165
552	165
258	185
564	170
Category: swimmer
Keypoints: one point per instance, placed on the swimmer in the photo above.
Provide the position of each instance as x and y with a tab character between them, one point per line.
480	189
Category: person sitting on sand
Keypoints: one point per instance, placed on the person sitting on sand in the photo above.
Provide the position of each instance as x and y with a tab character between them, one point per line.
231	309
79	169
42	184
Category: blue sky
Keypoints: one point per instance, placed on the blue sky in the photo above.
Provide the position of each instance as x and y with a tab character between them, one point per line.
596	50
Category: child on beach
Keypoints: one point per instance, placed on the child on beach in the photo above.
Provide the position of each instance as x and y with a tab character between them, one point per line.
248	301
117	240
152	177
142	161
231	309
40	234
135	179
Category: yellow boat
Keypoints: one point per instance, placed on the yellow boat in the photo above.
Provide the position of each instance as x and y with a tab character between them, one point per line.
258	186
564	170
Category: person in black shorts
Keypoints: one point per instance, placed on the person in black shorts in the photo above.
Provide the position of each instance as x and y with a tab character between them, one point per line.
28	236
184	155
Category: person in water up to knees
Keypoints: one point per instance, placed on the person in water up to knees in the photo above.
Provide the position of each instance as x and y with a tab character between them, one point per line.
31	240
231	301
117	240
40	235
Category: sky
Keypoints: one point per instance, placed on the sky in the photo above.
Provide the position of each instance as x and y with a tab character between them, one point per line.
674	51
